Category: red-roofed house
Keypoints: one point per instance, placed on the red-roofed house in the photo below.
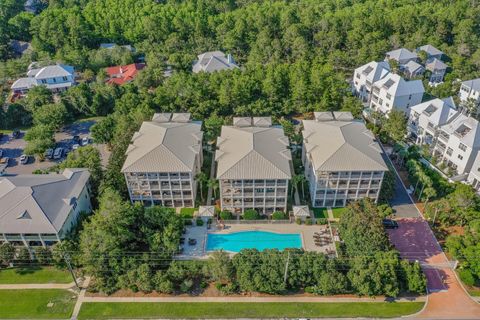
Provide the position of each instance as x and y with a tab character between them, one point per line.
123	74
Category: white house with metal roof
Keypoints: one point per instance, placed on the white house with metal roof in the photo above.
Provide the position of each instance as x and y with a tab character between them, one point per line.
413	69
366	75
163	159
437	68
253	166
402	56
425	119
470	92
343	161
56	78
39	210
394	92
213	61
458	143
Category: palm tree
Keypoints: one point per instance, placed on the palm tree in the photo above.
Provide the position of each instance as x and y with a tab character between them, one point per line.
201	179
296	179
213	183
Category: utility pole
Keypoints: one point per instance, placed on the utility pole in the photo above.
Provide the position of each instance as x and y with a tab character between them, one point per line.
286	268
66	257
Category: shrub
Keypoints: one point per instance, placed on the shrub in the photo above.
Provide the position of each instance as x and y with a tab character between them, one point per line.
298	221
23	256
467	277
43	255
161	283
279	215
7	253
199	222
308	221
229	288
187	222
186	285
251	214
226	215
321	221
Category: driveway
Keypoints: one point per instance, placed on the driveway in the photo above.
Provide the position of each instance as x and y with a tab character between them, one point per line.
401	202
415	241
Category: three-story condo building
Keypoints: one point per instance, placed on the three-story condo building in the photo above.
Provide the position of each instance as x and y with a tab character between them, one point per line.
163	159
343	161
253	166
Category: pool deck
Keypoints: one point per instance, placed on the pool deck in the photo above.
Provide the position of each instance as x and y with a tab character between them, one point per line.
200	234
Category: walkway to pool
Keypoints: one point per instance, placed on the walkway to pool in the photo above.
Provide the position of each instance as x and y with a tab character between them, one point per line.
307	234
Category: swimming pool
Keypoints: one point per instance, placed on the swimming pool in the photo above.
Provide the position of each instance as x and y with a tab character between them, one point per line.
259	240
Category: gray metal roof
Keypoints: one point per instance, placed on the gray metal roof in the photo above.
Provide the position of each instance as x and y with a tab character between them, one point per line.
435	64
213	61
39	203
402	54
335	145
55	71
253	153
430	50
164	146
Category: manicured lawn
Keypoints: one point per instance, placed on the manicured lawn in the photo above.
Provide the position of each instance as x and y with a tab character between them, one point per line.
34	275
32	304
320	212
337	212
246	310
187	213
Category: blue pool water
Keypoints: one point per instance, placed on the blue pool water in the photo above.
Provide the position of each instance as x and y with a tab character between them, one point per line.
260	240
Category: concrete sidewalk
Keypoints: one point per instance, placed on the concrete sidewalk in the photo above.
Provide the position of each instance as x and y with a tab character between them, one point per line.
251	299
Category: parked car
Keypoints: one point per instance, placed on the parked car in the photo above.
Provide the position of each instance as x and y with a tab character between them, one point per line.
1	153
49	153
390	224
85	141
24	159
75	146
4	161
16	134
75	139
58	153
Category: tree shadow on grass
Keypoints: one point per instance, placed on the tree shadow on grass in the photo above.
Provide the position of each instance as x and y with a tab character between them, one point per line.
23	270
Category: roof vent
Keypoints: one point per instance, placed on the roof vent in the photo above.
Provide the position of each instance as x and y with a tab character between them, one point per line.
181	117
242	121
323	116
161	117
262	121
343	116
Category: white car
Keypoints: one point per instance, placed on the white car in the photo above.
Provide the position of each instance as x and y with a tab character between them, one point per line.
85	141
24	159
58	153
75	146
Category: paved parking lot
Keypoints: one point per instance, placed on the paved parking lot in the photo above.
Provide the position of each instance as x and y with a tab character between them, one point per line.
13	148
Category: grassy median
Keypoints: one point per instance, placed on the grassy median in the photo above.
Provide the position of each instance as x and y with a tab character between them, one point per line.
36	304
115	310
34	275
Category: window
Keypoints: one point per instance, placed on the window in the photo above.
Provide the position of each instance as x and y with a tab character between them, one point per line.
449	151
380	101
54	79
65	78
44	81
462	147
410	97
358	76
389	96
460	157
